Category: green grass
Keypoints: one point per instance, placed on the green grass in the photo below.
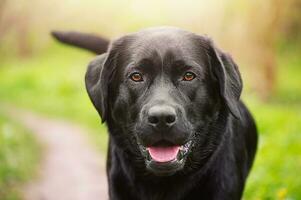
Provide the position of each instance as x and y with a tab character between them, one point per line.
275	174
18	158
52	82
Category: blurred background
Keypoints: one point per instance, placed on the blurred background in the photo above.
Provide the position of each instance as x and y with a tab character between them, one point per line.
42	76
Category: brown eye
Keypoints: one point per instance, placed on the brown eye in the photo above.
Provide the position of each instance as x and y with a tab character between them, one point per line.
137	77
188	76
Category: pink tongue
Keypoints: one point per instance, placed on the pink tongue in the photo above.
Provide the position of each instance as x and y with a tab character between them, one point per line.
163	154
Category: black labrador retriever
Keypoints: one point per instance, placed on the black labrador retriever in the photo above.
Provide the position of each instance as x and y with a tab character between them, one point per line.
170	99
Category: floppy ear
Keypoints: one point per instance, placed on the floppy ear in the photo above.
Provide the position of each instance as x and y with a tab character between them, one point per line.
229	80
99	75
94	85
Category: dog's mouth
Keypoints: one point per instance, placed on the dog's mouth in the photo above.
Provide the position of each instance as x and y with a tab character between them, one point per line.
165	160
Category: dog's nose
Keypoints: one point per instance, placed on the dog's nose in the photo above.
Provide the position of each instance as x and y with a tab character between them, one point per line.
161	116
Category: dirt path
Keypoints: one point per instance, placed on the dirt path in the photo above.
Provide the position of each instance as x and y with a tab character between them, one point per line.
71	169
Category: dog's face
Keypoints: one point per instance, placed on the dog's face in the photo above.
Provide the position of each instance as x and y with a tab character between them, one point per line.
165	90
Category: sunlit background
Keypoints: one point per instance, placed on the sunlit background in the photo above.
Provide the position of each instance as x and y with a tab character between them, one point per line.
44	77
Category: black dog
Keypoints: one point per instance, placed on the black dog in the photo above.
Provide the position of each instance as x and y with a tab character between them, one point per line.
177	128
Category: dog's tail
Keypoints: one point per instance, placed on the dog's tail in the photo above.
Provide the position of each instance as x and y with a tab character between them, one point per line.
91	42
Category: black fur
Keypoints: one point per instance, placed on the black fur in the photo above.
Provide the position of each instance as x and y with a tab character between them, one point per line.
90	42
208	113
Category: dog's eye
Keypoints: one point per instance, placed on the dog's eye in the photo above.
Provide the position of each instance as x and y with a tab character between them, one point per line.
137	77
188	76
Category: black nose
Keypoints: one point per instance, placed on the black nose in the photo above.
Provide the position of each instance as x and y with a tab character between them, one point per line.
161	116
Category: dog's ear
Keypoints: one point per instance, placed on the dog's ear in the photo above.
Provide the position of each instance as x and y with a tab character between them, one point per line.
99	75
93	85
229	80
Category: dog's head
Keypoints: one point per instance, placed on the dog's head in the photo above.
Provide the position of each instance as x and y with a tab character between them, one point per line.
166	92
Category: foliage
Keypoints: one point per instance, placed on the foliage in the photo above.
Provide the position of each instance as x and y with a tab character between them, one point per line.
18	158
